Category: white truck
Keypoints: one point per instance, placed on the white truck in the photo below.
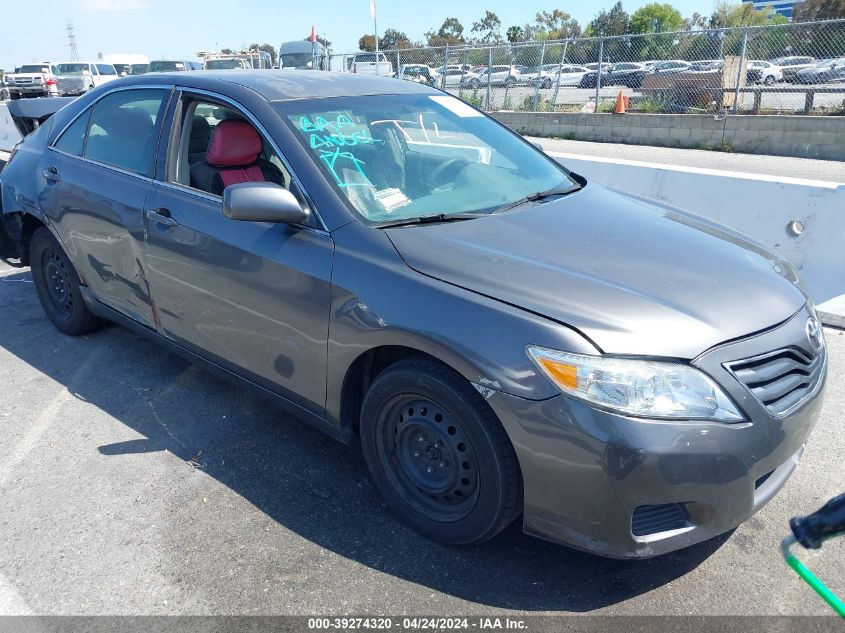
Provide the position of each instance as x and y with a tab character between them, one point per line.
76	78
245	60
32	80
370	64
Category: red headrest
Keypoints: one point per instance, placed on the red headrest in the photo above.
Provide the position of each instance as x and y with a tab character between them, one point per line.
234	144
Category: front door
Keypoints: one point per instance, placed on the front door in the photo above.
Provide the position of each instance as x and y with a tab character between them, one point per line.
253	297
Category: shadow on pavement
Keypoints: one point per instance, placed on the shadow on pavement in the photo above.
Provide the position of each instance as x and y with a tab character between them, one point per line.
307	482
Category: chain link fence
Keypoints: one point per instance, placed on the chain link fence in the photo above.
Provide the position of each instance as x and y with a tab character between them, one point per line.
783	69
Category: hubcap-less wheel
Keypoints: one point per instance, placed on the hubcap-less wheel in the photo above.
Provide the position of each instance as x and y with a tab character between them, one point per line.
57	281
429	458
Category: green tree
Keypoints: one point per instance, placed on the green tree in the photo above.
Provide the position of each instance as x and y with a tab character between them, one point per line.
732	15
393	40
656	18
811	10
515	34
557	25
488	28
613	22
451	32
367	42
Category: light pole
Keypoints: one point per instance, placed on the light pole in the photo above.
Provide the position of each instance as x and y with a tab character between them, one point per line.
375	22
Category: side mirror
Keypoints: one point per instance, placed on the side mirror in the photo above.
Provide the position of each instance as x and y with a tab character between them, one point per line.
262	202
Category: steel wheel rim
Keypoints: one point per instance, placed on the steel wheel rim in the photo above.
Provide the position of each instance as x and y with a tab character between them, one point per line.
57	281
429	458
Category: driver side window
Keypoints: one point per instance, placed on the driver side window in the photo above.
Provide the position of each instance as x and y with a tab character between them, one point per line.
218	146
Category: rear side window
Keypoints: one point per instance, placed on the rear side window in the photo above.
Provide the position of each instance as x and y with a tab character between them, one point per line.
72	140
123	130
106	69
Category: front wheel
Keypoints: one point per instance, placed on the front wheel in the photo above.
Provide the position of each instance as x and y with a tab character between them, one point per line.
57	286
438	454
769	81
510	82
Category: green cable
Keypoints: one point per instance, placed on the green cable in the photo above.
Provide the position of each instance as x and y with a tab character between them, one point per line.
817	585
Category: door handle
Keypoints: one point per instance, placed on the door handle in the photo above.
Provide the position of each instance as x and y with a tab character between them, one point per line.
161	216
51	174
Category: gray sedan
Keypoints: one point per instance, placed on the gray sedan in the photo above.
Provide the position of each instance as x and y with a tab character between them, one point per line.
502	338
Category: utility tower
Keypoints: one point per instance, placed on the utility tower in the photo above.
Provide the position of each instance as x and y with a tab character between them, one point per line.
71	42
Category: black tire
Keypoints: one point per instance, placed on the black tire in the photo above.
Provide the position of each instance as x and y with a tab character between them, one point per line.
438	453
547	83
770	80
510	82
57	285
475	84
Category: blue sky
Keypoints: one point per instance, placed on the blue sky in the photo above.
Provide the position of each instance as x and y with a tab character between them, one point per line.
180	28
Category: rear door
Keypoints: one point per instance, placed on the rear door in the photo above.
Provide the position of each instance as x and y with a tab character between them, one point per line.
96	177
253	297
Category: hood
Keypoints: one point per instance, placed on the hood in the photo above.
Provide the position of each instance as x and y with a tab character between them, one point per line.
634	277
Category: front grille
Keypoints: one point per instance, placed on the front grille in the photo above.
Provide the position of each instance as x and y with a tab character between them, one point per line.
663	518
23	81
781	380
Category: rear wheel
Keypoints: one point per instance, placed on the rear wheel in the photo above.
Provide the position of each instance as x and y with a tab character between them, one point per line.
438	453
770	80
57	285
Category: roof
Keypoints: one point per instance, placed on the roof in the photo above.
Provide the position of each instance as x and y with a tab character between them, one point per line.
287	85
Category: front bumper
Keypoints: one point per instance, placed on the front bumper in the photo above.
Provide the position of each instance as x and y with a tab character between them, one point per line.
29	91
587	472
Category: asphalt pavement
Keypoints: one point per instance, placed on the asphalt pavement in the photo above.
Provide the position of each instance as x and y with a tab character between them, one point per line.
134	483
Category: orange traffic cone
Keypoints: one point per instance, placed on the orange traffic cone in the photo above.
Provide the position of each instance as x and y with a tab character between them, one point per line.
621	103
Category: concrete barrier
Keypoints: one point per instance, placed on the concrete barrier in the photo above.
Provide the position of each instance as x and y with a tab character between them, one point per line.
801	220
801	136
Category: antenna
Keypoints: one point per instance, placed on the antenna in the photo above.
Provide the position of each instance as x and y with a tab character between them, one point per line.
71	42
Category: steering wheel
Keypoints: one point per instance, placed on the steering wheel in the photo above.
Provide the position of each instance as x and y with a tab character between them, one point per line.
445	166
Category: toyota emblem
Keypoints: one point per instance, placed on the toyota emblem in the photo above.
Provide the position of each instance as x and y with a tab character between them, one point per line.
814	334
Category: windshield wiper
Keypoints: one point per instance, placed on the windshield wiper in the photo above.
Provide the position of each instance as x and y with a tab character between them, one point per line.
536	197
432	219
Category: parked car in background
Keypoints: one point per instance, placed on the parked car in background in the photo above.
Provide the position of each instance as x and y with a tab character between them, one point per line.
769	73
455	77
565	75
501	337
123	62
590	78
670	67
828	71
418	73
628	74
370	64
501	75
790	66
76	78
32	80
172	66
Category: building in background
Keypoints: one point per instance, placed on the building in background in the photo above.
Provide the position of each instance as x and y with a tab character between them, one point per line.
783	7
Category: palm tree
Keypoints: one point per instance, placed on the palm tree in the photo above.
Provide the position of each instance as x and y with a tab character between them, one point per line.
515	34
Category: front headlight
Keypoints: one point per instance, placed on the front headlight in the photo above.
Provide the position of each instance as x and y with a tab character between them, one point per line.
650	389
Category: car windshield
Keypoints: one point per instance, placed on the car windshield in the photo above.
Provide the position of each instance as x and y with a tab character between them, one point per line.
397	157
71	69
826	64
34	68
139	69
296	60
223	64
164	66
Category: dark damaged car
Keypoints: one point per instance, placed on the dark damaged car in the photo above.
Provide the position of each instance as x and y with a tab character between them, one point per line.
503	338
